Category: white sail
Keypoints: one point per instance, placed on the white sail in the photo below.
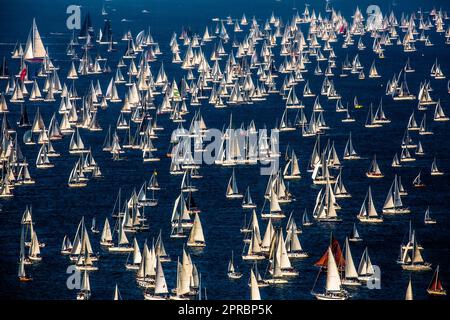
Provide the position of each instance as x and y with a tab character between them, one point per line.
254	292
333	280
409	291
106	233
34	48
160	282
196	234
350	269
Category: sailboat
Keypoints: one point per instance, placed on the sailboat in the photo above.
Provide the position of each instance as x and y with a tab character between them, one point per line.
85	292
275	271
123	244
254	288
396	162
106	237
196	237
305	220
94	228
374	170
160	250
34	49
427	219
435	287
409	291
76	144
365	270
340	191
247	202
22	276
231	272
325	208
66	247
419	150
354	236
435	170
368	213
412	259
278	249
417	182
254	251
275	211
42	161
117	295
185	279
34	253
439	114
333	287
393	203
232	189
291	170
293	247
349	152
350	277
137	257
161	291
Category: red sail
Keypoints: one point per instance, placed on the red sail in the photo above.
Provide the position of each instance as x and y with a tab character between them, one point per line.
337	253
435	284
23	74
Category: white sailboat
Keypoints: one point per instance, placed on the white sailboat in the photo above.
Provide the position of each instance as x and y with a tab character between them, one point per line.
350	277
161	291
232	189
196	237
85	292
34	49
411	258
254	251
427	219
275	211
292	170
293	246
106	237
123	245
368	213
350	152
409	291
254	288
117	295
247	202
333	287
393	203
365	270
231	272
354	236
374	170
435	170
136	257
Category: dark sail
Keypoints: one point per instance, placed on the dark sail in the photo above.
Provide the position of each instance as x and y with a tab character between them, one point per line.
23	121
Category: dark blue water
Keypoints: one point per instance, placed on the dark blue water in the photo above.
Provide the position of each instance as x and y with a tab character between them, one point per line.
57	209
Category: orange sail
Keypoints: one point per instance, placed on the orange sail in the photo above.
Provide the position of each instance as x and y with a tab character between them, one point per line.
435	286
337	253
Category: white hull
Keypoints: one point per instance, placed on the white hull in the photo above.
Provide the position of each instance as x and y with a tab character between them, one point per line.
120	249
331	297
253	257
234	196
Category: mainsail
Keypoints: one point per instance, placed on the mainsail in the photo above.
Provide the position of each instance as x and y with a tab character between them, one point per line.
34	49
